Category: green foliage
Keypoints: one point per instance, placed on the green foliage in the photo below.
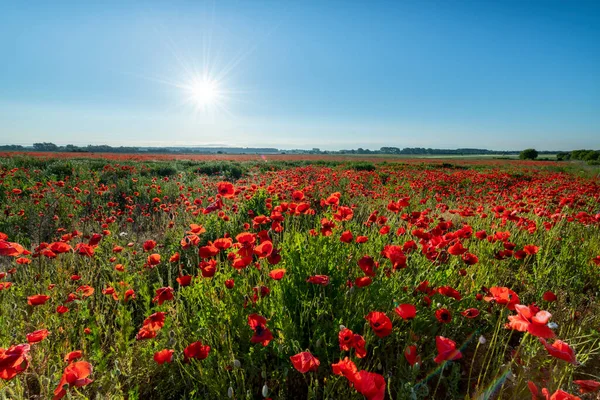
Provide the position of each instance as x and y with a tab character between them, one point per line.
528	154
228	170
363	166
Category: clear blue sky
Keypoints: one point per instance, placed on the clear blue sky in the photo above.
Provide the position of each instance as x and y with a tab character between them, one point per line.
303	74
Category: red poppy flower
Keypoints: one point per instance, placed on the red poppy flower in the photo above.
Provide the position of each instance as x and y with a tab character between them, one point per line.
531	249
363	281
94	240
277	274
76	374
184	280
174	258
443	315
37	336
319	280
503	296
549	296
225	189
406	311
223	243
457	249
343	214
60	247
362	239
262	334
37	299
10	249
327	227
562	395
208	268
145	333
275	257
155	321
446	350
470	313
85	290
367	265
470	259
84	249
241	262
359	346
153	259
380	323
346	368
196	229
163	294
264	249
346	237
410	353
297	196
370	385
346	339
587	386
196	350
560	349
305	362
229	283
129	294
449	292
189	241
395	255
164	356
13	361
48	253
527	321
74	355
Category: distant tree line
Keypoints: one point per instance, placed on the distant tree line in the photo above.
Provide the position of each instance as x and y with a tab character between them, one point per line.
590	156
70	148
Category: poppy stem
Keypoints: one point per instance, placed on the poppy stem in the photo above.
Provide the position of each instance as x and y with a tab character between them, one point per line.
439	379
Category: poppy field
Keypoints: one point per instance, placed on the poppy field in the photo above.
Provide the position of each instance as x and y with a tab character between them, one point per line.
141	279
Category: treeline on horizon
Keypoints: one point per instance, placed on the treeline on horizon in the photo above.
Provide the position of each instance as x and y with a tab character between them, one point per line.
592	157
51	147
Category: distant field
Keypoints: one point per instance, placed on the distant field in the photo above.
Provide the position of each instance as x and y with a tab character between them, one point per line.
475	159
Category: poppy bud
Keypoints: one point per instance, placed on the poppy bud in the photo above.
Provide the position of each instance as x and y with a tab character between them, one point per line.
230	392
265	390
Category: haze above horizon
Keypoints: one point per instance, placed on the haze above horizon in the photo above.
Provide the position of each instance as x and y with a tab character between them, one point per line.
463	74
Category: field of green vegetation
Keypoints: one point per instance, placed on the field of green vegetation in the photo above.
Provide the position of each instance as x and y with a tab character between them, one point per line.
298	279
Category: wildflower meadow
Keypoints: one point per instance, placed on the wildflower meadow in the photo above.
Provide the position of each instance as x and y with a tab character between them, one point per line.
291	279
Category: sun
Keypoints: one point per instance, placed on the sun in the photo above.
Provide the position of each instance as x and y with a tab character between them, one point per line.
204	92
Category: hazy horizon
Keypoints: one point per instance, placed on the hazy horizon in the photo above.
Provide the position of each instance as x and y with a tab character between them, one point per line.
503	75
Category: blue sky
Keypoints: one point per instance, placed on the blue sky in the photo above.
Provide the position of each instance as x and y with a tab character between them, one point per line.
328	74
